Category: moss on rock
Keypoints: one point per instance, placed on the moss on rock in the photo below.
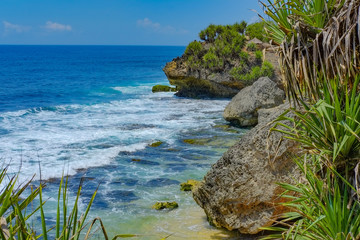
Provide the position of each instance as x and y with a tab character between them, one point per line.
156	144
188	185
165	205
163	88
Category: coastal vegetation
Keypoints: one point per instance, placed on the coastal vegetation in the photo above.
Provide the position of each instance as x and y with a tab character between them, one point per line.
320	58
225	48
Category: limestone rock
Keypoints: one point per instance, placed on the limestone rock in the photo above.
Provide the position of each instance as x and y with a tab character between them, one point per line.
240	191
243	108
199	84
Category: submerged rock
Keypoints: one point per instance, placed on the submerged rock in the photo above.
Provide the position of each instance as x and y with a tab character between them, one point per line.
243	108
156	144
240	191
188	185
163	88
165	205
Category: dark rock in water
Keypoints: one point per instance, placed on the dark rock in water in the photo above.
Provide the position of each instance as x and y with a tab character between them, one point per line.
122	195
160	182
163	88
156	144
165	205
145	162
243	109
125	181
240	191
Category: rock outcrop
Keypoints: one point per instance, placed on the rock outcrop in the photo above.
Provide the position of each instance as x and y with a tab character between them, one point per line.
243	109
200	83
240	191
207	83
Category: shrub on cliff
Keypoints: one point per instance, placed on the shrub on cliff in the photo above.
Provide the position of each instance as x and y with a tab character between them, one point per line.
194	48
257	30
241	72
212	61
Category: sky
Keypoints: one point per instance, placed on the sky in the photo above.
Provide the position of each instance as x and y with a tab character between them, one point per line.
116	22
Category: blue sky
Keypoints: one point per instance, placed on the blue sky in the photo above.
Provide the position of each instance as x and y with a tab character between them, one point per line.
116	22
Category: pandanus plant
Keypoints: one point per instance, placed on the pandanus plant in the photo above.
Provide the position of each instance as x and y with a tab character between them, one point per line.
315	37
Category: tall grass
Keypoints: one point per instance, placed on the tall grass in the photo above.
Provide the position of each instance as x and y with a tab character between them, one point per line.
15	213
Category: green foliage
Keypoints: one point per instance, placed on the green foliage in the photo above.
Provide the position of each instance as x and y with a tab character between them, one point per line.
210	33
267	69
257	30
327	206
223	46
251	47
240	27
258	55
211	60
238	73
194	48
244	56
15	212
322	208
331	127
286	14
202	35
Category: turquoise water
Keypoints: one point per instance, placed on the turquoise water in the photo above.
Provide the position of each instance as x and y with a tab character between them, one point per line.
88	112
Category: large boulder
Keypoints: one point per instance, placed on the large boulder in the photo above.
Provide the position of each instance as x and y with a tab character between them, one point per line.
243	108
240	191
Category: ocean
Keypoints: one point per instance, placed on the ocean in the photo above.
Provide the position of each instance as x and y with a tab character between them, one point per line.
88	112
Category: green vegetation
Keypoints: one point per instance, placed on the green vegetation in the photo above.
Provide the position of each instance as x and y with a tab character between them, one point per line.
224	48
258	56
326	122
239	73
251	47
292	27
17	208
257	30
165	205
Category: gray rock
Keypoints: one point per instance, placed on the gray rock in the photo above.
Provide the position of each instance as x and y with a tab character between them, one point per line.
243	108
240	191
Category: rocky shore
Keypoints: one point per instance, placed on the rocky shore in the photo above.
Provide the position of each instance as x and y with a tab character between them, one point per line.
240	192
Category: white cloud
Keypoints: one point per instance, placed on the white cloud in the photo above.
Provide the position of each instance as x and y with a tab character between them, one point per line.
53	26
157	27
10	27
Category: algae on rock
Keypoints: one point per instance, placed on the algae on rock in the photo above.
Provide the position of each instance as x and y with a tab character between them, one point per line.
188	185
165	205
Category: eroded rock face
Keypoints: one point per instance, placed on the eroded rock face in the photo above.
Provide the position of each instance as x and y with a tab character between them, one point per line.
200	84
239	192
243	108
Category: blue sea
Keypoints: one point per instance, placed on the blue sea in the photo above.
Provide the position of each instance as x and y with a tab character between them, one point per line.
88	112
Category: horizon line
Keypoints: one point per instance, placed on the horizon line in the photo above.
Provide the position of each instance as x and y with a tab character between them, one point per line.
125	45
